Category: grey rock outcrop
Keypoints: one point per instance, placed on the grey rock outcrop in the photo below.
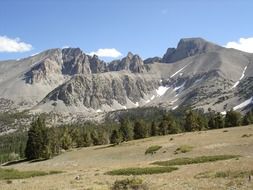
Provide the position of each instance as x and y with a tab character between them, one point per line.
97	66
95	91
153	60
131	63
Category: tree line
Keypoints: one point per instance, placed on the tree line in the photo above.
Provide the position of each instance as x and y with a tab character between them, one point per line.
42	142
46	142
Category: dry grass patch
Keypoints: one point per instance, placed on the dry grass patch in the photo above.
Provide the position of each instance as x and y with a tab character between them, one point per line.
226	174
141	171
195	160
233	174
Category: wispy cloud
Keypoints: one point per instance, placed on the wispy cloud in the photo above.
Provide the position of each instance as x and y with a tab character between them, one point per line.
13	45
243	44
107	52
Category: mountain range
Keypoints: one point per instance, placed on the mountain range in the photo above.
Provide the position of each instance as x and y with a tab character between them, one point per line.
196	73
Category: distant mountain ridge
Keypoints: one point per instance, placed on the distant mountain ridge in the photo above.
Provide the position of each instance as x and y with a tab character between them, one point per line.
197	73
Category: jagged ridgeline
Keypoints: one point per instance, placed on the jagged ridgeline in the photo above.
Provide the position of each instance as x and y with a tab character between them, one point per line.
196	73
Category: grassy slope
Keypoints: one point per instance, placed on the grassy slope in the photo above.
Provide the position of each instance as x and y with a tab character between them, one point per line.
91	163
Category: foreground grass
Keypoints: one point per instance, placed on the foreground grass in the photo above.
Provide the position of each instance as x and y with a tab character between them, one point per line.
225	174
15	174
153	149
195	160
142	171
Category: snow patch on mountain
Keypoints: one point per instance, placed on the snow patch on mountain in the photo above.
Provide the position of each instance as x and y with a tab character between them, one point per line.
242	76
244	104
173	101
178	71
137	104
175	107
179	87
162	90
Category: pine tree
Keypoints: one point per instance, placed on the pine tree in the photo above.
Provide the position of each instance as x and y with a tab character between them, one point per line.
211	122
173	128
87	139
66	140
248	118
115	137
38	142
126	130
191	121
219	121
163	128
232	118
94	138
103	137
140	130
153	129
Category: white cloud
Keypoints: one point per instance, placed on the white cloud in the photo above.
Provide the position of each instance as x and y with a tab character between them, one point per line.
243	44
107	52
13	45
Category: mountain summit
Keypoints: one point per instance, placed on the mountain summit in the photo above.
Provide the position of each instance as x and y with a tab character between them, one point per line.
189	47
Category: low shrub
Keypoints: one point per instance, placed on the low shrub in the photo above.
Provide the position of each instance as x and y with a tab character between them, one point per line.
129	184
153	149
183	149
247	135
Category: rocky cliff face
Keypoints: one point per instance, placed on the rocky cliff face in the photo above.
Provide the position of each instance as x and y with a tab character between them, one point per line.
131	63
103	90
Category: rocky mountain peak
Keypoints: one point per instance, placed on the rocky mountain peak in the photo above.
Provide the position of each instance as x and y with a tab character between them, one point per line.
131	62
75	61
130	55
189	47
96	65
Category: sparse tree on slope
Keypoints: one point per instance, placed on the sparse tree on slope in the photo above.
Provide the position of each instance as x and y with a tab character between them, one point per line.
38	145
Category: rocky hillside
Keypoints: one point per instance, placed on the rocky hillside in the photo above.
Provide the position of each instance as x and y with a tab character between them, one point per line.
196	73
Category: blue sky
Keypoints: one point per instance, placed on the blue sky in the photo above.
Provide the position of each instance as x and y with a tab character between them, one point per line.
145	27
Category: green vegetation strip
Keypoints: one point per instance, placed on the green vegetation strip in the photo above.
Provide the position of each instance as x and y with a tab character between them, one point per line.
15	174
142	171
196	160
153	149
